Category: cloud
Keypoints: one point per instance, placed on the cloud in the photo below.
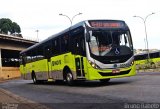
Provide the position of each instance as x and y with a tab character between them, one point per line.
44	15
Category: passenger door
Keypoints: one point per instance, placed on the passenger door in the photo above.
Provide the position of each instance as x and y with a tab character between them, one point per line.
79	51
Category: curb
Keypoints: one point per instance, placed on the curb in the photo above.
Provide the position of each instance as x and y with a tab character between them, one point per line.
24	103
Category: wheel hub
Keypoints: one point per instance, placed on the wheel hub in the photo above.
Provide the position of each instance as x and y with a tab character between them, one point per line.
69	77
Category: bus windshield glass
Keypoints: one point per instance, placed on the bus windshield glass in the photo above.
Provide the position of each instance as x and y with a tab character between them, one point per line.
103	42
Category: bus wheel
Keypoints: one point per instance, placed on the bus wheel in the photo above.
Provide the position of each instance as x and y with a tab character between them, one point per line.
34	78
69	78
104	80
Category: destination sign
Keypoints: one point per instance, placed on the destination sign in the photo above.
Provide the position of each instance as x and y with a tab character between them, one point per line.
106	24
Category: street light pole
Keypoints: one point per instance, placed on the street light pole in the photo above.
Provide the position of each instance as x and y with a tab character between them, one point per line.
145	43
144	21
71	20
37	35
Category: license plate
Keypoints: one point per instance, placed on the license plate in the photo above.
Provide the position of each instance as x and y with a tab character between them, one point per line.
116	71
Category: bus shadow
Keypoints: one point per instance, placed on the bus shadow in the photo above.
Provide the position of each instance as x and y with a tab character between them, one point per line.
99	84
85	83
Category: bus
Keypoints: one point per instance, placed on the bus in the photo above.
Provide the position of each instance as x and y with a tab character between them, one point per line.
89	50
154	59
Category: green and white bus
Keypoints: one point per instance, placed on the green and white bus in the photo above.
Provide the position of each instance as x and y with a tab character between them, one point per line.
142	59
89	50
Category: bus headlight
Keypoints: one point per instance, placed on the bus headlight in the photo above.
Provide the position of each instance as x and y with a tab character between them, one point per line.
132	63
94	65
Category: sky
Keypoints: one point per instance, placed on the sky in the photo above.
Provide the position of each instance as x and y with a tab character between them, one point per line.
43	15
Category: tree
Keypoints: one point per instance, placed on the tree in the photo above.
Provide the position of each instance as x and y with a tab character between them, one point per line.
15	28
6	25
5	28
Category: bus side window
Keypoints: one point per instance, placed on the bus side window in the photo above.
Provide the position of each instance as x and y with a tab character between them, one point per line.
56	46
48	50
78	44
40	54
34	55
64	43
22	59
28	57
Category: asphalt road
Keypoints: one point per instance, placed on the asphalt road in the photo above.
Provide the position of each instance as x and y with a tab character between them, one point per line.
118	93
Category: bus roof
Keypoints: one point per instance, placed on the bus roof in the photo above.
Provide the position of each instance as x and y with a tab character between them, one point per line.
82	23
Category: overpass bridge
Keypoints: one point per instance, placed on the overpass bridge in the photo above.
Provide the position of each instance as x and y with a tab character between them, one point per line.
10	47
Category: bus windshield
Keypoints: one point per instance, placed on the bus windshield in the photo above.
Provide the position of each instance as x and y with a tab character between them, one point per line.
103	42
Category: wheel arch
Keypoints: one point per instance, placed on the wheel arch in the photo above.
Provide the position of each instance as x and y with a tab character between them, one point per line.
65	70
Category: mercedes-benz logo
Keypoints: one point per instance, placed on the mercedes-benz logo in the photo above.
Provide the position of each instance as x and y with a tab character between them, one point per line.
116	51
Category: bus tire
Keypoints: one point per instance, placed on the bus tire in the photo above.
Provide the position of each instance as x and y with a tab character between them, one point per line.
69	78
104	80
34	78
